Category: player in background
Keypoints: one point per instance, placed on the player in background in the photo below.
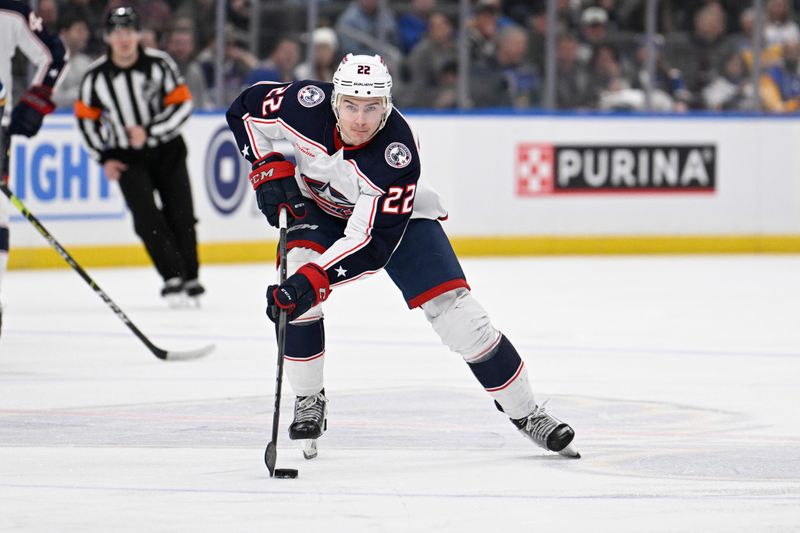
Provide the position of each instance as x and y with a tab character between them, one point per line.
22	28
356	205
131	107
4	150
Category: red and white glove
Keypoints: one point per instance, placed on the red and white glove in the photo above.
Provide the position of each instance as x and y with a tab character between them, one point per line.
28	114
273	180
299	293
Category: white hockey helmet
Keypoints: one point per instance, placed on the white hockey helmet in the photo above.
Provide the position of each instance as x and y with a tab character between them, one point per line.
363	76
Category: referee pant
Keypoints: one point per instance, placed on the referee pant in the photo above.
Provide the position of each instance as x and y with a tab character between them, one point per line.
168	232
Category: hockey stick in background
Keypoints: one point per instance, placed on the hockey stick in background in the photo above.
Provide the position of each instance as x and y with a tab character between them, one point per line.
158	352
271	453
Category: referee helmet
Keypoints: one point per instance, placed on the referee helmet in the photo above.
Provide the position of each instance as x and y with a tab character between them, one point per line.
122	17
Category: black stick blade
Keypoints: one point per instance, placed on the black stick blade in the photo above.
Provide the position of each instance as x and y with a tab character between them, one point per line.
270	457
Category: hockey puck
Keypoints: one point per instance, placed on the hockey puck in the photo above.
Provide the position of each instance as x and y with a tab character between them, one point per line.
285	473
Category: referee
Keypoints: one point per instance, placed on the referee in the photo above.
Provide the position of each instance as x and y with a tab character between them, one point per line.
131	106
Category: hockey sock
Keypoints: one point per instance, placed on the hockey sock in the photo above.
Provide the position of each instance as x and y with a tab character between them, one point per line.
504	376
305	356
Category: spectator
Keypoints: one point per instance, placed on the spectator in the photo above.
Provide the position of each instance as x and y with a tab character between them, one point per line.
506	80
180	46
503	21
183	23
537	35
481	30
237	64
614	91
770	53
612	9
149	38
74	33
731	89
203	13
326	45
48	12
605	70
279	66
593	32
669	80
444	94
780	28
414	24
520	10
425	65
780	86
573	90
93	12
697	56
239	14
363	27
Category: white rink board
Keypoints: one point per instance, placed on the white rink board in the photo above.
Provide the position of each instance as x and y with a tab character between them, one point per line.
469	159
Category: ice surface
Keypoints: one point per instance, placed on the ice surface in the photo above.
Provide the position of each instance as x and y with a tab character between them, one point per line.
681	377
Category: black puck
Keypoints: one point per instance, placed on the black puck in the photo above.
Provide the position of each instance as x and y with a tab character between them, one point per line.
285	473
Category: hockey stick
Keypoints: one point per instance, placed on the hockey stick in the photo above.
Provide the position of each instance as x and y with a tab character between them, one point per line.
158	352
271	453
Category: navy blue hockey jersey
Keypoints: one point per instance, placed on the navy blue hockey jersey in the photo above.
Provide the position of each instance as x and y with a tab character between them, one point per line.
375	186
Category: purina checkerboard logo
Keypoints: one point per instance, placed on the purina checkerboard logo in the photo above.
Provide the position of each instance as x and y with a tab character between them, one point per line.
546	169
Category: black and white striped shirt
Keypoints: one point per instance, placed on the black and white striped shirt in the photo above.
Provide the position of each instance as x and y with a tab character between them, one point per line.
151	93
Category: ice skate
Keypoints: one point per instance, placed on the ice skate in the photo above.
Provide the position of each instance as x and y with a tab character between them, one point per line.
193	291
310	448
310	421
547	431
172	292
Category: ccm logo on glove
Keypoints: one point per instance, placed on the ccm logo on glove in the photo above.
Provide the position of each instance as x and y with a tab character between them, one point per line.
273	180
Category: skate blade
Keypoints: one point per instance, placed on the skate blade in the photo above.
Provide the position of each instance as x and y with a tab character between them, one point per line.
570	451
310	448
174	301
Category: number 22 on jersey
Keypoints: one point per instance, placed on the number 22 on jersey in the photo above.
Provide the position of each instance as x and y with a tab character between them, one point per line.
273	100
392	205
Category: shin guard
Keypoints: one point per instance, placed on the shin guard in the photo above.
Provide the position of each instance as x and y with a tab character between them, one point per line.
504	376
304	357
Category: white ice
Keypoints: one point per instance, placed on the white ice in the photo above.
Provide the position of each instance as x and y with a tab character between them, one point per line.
681	376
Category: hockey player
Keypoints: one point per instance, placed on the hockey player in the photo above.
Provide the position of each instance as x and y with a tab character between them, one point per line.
22	28
356	204
3	210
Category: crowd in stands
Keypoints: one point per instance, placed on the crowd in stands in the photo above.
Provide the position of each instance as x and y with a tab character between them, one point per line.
704	49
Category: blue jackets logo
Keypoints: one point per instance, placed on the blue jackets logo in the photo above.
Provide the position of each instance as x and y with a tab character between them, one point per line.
225	172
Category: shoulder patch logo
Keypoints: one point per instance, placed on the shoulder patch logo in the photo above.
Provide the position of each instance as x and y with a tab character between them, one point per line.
397	155
310	96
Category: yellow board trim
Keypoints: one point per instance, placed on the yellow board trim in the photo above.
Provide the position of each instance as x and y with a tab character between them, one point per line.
264	251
